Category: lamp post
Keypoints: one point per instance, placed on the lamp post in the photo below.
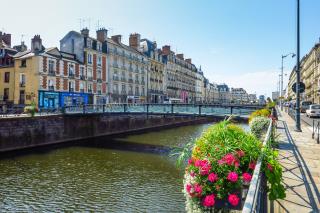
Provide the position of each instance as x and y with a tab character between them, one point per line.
281	82
298	125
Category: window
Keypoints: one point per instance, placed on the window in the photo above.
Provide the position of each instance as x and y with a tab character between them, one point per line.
99	72
89	88
99	60
6	94
82	76
81	87
22	80
6	77
137	90
89	43
99	46
51	66
123	88
50	83
89	73
142	91
115	88
71	70
99	89
89	58
71	86
23	63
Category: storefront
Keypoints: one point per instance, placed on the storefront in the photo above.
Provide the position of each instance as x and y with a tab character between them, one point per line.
101	99
72	99
48	99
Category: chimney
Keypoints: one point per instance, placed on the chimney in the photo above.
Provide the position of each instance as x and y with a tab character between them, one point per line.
116	38
85	32
134	41
180	56
36	44
166	50
6	38
102	35
188	60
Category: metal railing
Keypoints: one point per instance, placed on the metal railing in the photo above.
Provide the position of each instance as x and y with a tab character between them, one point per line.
316	130
256	200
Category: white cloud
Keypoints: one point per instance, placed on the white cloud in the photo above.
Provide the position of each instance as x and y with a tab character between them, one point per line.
261	83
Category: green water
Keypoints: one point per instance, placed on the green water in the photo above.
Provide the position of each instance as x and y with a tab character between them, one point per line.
125	174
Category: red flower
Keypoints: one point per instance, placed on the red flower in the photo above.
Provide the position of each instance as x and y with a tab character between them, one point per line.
252	165
212	177
233	199
269	166
198	189
209	200
232	177
188	188
198	163
246	177
240	153
229	159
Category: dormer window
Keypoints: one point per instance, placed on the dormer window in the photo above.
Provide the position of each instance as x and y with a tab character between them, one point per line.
89	43
23	63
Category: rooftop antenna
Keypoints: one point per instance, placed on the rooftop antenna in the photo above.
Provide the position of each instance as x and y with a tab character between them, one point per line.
98	24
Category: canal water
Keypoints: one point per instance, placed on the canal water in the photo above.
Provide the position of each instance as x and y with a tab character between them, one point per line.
125	174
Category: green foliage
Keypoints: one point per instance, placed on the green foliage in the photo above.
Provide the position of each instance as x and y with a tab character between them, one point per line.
271	105
259	125
260	112
32	109
273	171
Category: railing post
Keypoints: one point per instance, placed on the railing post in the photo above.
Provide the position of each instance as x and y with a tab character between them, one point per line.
147	109
231	110
84	109
124	107
171	108
312	129
199	109
104	108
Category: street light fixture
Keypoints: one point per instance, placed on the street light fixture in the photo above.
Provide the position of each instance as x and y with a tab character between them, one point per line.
281	83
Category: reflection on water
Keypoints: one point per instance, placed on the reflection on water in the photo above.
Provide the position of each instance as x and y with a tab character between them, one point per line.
100	176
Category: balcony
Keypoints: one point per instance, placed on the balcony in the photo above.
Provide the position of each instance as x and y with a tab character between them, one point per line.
71	75
51	88
90	78
51	73
22	84
99	80
130	80
82	77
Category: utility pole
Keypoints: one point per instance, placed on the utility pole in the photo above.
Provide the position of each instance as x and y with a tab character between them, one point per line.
298	124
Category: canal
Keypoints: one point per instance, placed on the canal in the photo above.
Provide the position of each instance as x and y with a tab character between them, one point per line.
124	174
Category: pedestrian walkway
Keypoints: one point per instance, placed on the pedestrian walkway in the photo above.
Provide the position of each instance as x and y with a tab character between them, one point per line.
299	156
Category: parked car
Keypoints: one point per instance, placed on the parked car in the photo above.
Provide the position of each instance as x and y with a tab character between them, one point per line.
313	111
305	105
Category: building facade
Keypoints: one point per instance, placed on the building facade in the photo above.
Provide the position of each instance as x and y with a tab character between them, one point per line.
239	96
224	94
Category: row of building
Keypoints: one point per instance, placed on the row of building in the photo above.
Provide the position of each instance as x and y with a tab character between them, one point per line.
88	70
310	76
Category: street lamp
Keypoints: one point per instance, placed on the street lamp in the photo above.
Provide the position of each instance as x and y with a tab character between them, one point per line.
298	125
281	83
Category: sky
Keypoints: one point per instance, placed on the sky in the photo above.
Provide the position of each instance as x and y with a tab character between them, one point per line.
238	42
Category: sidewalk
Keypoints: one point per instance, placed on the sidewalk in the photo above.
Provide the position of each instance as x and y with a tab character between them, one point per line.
299	156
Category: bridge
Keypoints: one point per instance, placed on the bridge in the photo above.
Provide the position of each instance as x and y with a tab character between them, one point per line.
158	109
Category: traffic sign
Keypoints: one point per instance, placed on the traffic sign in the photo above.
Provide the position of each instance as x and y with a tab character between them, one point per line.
302	87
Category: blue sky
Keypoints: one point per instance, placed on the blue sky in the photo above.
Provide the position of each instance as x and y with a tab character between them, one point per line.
239	42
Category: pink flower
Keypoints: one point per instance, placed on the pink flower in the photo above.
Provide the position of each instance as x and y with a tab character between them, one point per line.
233	199
240	153
188	188
252	165
209	200
198	163
232	177
192	174
236	163
246	177
269	166
197	189
205	169
190	161
229	159
220	162
212	177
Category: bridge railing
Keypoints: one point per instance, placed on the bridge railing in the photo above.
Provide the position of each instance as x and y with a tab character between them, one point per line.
189	109
256	200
